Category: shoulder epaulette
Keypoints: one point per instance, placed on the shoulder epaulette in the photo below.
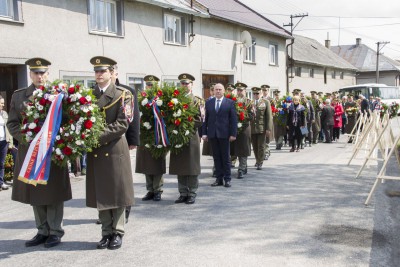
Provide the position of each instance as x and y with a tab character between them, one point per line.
21	89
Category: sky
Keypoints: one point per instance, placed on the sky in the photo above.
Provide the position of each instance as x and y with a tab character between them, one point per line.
344	20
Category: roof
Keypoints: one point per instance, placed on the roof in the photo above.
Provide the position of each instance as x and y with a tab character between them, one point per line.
180	6
310	51
236	12
364	58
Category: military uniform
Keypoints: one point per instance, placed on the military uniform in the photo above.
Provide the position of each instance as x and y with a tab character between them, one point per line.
270	136
279	127
316	126
261	123
47	200
186	164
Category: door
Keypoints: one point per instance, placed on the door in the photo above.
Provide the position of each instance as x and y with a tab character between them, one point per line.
212	78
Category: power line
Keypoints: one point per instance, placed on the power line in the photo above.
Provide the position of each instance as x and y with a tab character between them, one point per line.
354	27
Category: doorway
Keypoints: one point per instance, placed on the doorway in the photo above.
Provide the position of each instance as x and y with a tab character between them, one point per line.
212	78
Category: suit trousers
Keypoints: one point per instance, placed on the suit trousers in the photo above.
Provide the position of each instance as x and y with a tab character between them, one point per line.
49	218
328	131
187	185
258	142
154	183
112	221
221	156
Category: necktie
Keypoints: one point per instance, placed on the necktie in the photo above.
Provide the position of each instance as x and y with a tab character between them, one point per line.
256	102
101	92
218	102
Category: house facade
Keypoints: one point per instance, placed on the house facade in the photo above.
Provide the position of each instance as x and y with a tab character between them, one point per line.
364	59
159	37
316	68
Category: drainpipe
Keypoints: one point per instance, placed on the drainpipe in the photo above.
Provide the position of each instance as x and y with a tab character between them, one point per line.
289	64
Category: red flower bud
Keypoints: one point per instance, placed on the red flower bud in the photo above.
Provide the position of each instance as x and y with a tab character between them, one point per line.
37	129
42	101
88	124
83	100
144	94
77	86
67	151
190	118
241	116
234	98
71	90
185	106
176	92
83	136
159	93
177	122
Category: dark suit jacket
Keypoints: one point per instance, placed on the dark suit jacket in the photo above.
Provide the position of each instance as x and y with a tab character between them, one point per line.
222	124
327	115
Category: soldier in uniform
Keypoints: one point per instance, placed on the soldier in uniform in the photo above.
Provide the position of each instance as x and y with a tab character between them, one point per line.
109	184
242	144
316	125
261	126
230	88
279	127
47	200
152	168
186	164
310	119
268	137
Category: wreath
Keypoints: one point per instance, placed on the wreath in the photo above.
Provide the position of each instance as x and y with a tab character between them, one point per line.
81	125
167	119
280	110
243	112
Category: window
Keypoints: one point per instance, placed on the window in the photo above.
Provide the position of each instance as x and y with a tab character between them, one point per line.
325	77
172	82
10	10
136	83
174	29
311	72
105	16
334	74
341	75
273	55
297	71
251	52
88	82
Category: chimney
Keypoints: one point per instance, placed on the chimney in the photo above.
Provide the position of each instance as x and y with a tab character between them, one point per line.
328	42
358	41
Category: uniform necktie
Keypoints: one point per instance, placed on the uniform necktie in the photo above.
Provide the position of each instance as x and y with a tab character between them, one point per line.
101	92
256	102
218	102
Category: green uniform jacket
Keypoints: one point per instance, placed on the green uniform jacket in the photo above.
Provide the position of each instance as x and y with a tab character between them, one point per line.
58	186
109	182
187	162
146	164
241	147
263	117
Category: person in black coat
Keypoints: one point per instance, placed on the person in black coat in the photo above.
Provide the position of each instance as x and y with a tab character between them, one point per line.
295	119
327	121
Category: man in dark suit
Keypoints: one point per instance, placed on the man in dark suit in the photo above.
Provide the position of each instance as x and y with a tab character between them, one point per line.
327	120
220	128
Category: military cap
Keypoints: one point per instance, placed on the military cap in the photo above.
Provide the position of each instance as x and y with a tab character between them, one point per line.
231	85
313	92
211	85
151	78
277	92
320	93
186	77
328	94
240	86
265	87
335	93
350	95
256	89
102	63
38	64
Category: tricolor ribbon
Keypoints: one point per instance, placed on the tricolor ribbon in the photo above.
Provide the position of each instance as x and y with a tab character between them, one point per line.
36	167
160	130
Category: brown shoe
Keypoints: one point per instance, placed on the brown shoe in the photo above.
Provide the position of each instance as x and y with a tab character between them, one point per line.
292	149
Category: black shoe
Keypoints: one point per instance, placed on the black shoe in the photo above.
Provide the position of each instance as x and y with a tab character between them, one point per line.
104	242
190	200
302	146
228	184
36	240
52	241
240	174
255	165
98	221
259	167
157	196
115	242
181	199
148	196
245	171
278	147
217	183
127	212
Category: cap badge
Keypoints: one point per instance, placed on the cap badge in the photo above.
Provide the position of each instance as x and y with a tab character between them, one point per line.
38	62
98	61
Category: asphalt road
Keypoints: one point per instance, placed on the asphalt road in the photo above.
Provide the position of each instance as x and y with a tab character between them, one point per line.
302	209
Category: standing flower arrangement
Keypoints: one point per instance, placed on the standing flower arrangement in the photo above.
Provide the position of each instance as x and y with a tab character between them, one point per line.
243	111
81	125
280	109
393	109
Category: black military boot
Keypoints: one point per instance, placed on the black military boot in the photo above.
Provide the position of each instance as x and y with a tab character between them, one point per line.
157	196
240	174
148	196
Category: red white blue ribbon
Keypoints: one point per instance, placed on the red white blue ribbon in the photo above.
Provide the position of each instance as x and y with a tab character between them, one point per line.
36	167
160	130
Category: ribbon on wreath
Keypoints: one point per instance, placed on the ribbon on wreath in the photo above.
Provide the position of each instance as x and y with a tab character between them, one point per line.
36	167
160	130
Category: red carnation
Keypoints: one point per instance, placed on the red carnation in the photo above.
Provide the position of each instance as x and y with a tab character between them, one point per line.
67	150
234	98
177	122
83	136
185	106
144	94
241	116
83	100
71	90
42	101
41	87
89	113
37	129
190	118
170	104
240	104
88	124
61	141
176	92
159	93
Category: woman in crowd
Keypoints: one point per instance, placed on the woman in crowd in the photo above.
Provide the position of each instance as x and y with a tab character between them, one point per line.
337	118
295	120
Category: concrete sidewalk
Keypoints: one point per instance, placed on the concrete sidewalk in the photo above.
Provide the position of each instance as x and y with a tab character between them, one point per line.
302	209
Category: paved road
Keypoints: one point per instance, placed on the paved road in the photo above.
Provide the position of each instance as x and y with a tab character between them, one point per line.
302	209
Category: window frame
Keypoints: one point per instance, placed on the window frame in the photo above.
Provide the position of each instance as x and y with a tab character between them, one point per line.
118	19
275	57
182	29
14	12
134	84
297	71
311	72
252	51
87	80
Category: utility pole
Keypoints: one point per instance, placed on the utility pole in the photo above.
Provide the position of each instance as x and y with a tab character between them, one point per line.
289	60
377	58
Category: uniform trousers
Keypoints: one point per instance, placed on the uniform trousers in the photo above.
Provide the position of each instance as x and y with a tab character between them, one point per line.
258	142
112	221
242	163
48	219
154	183
187	185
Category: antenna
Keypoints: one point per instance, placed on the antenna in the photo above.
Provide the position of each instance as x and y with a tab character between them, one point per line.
245	39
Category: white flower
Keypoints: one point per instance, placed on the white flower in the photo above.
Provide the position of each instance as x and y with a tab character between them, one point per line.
81	119
58	137
52	97
90	108
147	125
145	101
177	114
66	134
72	127
187	132
178	146
174	131
159	146
159	102
93	119
78	142
71	132
58	151
29	133
72	85
29	113
40	107
88	98
175	101
36	115
239	124
32	125
85	109
147	145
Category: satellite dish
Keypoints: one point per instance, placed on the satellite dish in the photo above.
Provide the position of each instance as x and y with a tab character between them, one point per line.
245	39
